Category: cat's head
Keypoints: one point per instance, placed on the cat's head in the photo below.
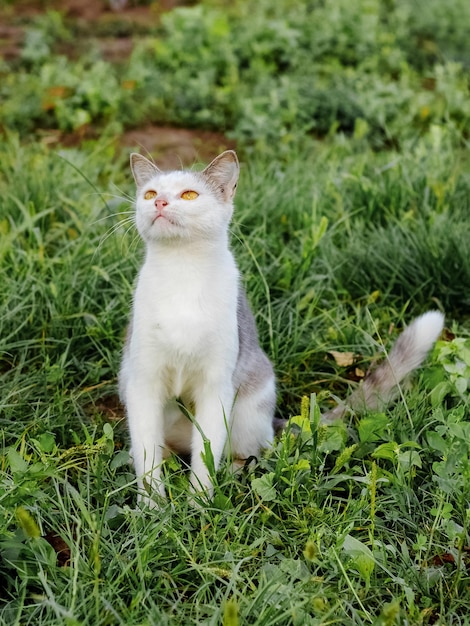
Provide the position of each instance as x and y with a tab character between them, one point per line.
184	204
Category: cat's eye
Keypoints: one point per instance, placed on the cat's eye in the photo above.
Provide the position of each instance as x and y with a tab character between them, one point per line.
150	194
189	195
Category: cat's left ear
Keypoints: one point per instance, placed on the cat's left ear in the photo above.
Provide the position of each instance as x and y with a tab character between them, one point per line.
223	173
142	169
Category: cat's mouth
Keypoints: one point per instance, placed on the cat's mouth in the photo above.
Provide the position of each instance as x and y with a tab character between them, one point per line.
165	218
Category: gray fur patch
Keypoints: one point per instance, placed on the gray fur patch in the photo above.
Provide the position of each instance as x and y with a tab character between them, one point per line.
254	368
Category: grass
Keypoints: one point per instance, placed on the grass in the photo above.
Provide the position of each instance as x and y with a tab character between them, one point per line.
340	242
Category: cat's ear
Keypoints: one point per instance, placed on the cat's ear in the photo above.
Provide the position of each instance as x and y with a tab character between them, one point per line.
142	169
223	173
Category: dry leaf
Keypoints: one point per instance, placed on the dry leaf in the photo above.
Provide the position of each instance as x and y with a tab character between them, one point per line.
343	359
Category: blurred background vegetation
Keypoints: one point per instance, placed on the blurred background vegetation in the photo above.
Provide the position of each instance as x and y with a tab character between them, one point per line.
266	73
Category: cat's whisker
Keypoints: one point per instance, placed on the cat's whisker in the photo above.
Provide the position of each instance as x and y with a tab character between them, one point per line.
123	199
135	242
127	225
106	196
124	195
107	217
113	229
127	219
181	162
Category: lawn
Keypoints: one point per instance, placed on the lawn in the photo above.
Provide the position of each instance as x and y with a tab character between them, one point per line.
352	125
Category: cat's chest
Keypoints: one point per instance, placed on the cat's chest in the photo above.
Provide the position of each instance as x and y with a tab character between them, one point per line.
184	308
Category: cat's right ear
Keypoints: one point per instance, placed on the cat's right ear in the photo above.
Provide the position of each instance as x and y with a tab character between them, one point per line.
142	169
223	172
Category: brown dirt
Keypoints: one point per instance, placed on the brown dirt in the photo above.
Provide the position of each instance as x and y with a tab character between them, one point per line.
109	407
116	50
11	39
87	10
173	148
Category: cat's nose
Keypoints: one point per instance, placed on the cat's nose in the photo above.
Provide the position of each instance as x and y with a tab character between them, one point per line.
161	203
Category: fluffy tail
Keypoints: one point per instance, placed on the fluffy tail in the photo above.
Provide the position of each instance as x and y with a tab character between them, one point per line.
409	351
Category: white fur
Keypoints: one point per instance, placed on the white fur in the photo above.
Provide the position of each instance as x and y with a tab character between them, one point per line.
422	333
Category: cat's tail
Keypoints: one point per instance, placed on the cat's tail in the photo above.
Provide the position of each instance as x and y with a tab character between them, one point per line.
381	386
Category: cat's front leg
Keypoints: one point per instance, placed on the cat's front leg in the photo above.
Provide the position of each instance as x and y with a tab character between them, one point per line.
145	419
213	409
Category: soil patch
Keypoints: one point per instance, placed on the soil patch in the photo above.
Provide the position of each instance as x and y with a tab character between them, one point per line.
88	10
174	148
11	40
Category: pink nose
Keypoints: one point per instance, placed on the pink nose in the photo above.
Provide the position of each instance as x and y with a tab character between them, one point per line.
161	203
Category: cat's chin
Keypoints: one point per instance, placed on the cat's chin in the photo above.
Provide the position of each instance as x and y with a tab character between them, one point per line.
163	219
161	228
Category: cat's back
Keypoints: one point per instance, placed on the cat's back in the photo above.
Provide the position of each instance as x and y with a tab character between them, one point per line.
253	364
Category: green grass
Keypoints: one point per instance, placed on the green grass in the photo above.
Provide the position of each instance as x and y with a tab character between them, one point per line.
341	241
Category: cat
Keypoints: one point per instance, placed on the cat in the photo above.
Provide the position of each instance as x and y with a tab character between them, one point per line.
192	339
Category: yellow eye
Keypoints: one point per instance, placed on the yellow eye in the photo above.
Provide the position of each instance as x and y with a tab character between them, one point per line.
189	195
149	195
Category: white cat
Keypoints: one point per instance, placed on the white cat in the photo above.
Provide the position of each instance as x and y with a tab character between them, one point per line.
192	336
